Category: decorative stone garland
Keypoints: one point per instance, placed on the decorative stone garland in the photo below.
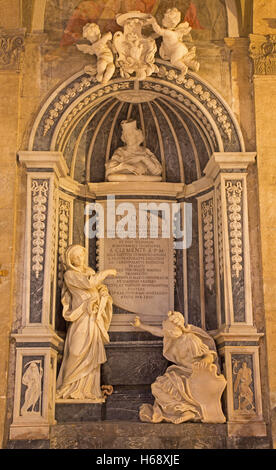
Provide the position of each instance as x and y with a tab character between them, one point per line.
220	237
208	228
204	96
63	236
180	97
40	194
89	99
234	194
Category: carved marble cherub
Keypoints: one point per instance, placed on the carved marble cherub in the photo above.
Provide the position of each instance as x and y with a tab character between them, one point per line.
99	47
173	48
190	389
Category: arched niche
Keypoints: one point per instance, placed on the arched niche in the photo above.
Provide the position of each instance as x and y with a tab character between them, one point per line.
199	143
81	117
185	123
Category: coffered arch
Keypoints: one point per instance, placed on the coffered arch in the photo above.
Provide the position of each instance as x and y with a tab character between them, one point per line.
184	122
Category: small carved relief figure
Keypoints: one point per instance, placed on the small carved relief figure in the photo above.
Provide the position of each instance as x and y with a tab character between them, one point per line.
136	53
190	390
133	158
87	305
32	380
100	48
173	47
242	387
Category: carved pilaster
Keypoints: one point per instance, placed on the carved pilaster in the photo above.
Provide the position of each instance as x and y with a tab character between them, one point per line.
37	343
237	338
232	231
11	47
43	172
262	50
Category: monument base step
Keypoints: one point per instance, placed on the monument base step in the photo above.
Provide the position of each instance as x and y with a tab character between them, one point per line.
132	435
121	405
123	435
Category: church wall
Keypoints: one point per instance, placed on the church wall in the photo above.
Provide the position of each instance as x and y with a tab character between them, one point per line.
265	115
226	65
10	82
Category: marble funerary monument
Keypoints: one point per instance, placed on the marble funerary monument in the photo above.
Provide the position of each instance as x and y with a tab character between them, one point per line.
126	317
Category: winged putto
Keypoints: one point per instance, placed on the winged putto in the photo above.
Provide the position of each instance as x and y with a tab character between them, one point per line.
133	52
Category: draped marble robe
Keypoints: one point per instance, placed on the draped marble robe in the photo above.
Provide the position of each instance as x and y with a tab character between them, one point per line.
87	305
175	401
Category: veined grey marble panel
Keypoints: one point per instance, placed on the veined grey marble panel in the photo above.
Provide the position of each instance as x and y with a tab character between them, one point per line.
133	363
234	192
193	272
78	224
27	444
124	403
78	412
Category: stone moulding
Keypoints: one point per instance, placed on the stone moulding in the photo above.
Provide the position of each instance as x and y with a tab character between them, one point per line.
262	50
11	47
205	96
87	101
68	95
81	93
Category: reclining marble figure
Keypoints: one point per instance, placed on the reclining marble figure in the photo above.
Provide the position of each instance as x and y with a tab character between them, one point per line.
191	388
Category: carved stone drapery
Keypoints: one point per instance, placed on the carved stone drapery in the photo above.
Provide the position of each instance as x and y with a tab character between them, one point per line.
262	50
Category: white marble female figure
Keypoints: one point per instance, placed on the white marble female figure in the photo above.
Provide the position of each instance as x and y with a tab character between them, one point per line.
87	305
190	390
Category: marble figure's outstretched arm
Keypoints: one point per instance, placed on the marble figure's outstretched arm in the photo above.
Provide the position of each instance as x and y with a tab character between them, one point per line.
154	330
98	278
